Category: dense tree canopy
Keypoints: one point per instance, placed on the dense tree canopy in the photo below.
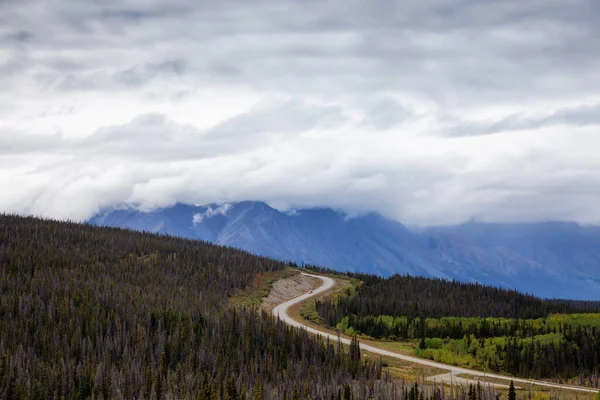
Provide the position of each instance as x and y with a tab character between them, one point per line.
89	312
485	327
433	298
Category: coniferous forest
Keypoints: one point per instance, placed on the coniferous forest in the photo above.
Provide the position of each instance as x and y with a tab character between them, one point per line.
474	325
88	312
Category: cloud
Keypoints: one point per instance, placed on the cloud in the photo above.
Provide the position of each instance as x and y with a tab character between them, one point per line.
130	78
384	113
288	117
210	212
431	112
19	36
579	116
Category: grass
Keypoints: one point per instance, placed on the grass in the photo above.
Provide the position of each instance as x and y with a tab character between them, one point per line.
406	347
403	369
309	313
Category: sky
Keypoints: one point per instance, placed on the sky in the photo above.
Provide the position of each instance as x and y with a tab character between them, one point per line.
431	112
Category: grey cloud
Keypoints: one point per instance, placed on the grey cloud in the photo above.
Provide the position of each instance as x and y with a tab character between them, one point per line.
132	77
579	116
289	117
140	75
19	36
72	83
132	15
223	68
570	116
13	143
437	47
10	68
383	113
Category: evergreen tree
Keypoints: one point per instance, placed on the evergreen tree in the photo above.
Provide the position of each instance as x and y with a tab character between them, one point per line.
231	390
512	394
259	392
472	395
295	393
354	349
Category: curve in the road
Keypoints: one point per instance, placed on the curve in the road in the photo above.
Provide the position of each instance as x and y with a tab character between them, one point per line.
281	311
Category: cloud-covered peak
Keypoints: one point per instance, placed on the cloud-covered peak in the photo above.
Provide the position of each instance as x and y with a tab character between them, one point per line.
429	112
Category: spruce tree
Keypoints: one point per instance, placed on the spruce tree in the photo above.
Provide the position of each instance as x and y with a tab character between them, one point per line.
259	392
231	389
472	395
354	349
295	393
512	394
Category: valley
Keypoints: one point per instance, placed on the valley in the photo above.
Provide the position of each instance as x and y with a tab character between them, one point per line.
290	312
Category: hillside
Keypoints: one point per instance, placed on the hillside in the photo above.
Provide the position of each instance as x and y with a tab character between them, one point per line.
547	259
89	312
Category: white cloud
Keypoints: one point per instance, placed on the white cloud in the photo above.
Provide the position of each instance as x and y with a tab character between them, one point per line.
430	112
210	212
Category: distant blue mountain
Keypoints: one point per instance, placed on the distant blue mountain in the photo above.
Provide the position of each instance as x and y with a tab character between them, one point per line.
548	259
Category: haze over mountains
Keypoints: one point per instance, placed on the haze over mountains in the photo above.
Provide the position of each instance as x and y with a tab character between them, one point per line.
553	259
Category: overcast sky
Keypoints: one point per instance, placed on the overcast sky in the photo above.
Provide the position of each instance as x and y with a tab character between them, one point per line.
431	112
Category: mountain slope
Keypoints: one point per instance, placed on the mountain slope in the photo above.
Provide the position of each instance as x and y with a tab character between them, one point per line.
548	259
552	258
315	236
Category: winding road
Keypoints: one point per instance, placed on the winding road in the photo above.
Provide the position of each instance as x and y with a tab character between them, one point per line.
281	311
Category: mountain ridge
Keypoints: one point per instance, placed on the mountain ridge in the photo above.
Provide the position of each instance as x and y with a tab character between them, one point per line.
549	259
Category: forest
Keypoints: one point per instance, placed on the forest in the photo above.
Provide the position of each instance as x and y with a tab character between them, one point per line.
419	296
100	313
474	325
104	313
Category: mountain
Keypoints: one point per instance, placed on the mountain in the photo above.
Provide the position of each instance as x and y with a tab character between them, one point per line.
547	259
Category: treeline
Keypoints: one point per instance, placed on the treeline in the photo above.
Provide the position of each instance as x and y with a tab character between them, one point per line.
101	313
575	354
407	328
403	295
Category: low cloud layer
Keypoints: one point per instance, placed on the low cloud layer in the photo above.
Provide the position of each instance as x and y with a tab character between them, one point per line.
432	113
210	212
